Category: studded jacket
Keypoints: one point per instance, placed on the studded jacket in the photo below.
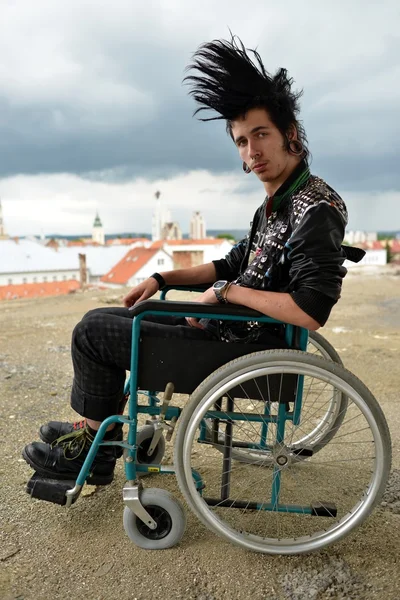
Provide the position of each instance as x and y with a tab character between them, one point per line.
297	248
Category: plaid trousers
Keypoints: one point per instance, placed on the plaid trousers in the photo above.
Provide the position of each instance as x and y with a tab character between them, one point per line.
101	355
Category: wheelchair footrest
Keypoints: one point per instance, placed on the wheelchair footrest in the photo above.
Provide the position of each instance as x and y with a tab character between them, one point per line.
51	490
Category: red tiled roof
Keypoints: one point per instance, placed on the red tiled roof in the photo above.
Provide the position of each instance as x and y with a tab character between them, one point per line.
375	245
87	242
32	290
125	241
134	260
395	246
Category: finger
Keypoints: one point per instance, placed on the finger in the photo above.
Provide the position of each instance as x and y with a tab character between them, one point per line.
193	322
129	300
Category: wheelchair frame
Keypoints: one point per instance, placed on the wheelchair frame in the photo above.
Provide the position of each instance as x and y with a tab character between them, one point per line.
132	492
177	309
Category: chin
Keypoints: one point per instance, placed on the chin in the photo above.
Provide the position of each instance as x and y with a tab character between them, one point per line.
265	177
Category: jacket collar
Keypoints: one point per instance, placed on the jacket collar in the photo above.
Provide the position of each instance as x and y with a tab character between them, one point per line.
297	178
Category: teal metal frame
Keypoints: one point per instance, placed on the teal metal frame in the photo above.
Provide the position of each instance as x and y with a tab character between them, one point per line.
152	409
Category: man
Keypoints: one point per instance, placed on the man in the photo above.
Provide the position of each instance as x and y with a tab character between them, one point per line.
289	267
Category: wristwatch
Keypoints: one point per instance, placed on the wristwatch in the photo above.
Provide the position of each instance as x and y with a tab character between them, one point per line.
219	287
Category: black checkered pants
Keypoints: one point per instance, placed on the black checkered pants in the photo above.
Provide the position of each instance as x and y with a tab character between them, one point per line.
101	355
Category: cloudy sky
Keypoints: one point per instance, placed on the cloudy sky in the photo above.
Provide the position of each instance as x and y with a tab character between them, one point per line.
93	114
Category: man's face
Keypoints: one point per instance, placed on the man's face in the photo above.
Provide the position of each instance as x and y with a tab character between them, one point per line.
261	145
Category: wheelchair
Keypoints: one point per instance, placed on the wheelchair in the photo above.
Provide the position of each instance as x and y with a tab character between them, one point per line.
278	451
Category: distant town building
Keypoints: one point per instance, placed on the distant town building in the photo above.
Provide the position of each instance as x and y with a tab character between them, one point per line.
136	266
98	231
3	234
30	262
171	231
356	237
197	229
190	253
372	258
161	216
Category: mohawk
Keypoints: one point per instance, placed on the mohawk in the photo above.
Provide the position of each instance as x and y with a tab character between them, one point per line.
230	81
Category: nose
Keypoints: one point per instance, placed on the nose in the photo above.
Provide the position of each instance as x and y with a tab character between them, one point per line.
253	150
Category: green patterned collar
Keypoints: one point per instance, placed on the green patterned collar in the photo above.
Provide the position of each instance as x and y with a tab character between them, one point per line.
296	179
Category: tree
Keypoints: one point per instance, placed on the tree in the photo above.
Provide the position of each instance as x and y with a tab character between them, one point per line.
389	255
225	236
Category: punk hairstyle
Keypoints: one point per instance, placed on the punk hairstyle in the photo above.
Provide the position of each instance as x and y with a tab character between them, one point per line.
230	82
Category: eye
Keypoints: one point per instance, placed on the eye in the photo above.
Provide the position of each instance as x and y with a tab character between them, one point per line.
262	134
241	143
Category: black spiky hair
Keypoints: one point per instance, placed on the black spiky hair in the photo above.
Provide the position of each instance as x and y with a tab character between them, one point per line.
230	82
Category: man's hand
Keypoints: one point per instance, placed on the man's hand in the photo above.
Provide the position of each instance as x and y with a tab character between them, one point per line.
143	291
207	296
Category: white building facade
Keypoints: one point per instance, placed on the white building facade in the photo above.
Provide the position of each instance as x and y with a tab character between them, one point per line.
372	258
27	261
197	227
161	216
159	262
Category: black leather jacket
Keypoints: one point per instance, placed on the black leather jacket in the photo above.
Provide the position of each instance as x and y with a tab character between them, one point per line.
297	249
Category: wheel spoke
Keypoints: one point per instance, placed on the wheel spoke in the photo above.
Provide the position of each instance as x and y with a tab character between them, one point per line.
315	479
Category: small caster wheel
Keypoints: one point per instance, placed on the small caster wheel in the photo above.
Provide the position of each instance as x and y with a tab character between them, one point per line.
168	514
143	440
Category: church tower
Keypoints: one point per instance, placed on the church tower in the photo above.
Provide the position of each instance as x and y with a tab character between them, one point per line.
197	227
98	231
3	234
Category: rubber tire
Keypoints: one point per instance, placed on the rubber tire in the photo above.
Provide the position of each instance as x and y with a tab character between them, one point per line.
261	359
165	500
328	352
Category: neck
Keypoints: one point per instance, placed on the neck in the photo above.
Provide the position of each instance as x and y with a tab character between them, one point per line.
272	186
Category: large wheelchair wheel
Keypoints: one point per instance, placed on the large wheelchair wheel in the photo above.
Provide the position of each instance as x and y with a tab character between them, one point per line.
326	417
278	504
319	346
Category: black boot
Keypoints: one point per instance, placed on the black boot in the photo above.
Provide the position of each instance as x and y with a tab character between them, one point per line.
53	430
65	457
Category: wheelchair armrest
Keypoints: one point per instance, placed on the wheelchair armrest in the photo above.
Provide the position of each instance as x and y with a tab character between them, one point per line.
201	287
219	311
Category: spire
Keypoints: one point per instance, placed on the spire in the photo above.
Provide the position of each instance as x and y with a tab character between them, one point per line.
97	221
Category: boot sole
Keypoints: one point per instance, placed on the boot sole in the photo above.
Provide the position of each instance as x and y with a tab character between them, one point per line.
42	471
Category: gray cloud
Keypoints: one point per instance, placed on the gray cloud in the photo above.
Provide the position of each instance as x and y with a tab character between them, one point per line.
96	90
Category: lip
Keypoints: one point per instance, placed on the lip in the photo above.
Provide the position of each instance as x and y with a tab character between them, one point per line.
259	167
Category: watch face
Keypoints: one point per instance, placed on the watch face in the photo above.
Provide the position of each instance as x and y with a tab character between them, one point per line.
219	284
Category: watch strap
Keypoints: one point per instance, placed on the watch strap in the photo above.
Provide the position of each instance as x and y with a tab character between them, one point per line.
160	280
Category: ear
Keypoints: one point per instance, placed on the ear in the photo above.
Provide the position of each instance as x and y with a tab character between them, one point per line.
292	133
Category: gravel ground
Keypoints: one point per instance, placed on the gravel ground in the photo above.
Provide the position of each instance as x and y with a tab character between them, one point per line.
48	552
